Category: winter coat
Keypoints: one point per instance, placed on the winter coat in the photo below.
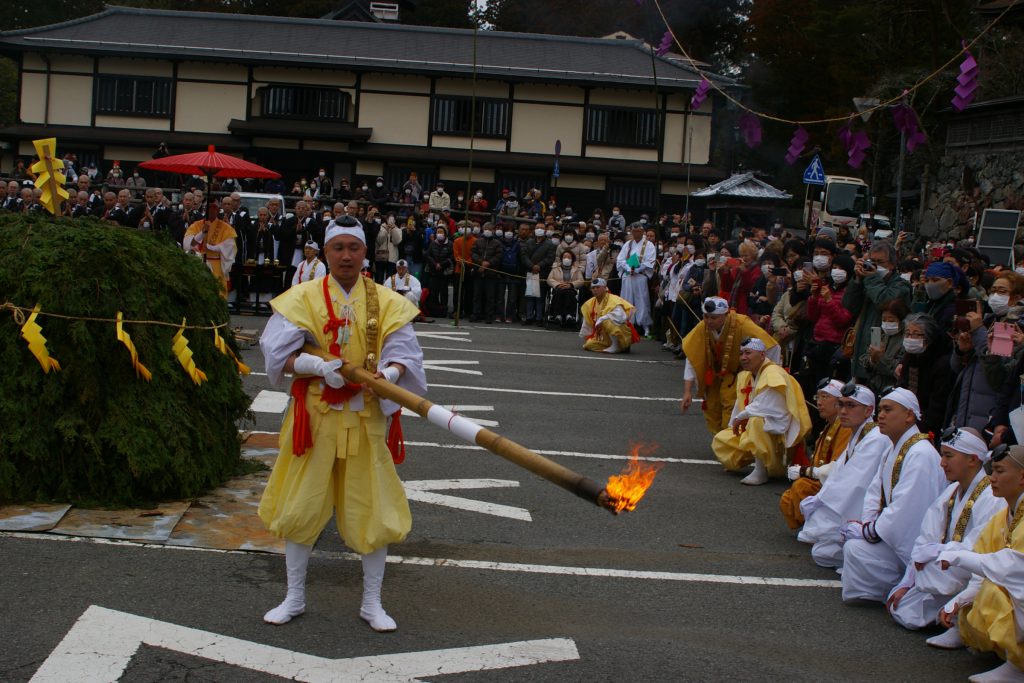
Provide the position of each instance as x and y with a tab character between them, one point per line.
863	297
831	319
439	257
973	399
488	250
537	251
929	376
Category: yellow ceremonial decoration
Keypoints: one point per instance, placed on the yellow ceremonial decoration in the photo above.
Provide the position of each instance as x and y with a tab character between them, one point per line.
49	178
126	339
223	347
33	334
184	355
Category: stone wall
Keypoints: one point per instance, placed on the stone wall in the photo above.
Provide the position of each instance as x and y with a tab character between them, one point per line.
972	181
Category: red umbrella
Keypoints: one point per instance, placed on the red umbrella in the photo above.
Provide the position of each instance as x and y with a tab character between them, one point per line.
210	163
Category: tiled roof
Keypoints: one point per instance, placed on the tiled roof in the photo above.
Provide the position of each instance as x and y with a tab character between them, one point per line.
358	46
743	185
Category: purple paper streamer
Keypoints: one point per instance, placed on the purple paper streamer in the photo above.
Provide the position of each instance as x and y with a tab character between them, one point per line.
665	45
750	128
907	123
700	94
967	83
857	149
796	145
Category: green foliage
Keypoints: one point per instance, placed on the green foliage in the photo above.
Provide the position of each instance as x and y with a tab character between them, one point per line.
94	433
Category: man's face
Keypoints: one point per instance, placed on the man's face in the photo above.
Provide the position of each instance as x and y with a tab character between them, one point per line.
715	322
26	195
942	283
309	253
83	198
345	256
301	210
881	258
150	197
109	200
955	464
853	414
599	291
274	206
83	183
124	197
524	232
401	270
1007	479
750	359
893	419
352	209
12	188
188	202
602	242
827	405
637	234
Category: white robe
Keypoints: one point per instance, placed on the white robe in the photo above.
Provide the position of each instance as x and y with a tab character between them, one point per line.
770	406
842	495
227	249
870	570
634	281
931	587
305	272
411	290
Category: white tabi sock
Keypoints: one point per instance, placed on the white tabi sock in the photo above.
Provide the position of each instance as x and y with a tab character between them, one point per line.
1007	673
614	347
296	557
950	640
371	611
758	476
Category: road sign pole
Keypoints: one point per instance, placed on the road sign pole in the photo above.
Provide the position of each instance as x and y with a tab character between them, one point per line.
899	183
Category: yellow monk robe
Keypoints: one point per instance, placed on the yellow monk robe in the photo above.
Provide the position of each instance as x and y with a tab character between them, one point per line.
716	364
221	236
602	335
831	444
736	452
988	624
349	468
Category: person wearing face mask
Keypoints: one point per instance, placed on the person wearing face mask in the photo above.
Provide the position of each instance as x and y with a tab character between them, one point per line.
736	282
570	242
875	282
880	361
440	266
507	300
439	199
536	257
942	282
617	221
323	187
463	281
487	256
830	319
973	399
565	281
477	202
1005	296
379	194
925	368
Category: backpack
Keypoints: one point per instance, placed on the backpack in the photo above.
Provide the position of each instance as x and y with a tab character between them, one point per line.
510	257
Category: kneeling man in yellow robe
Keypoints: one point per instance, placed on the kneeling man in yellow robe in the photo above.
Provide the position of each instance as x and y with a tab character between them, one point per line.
334	455
768	418
990	610
607	321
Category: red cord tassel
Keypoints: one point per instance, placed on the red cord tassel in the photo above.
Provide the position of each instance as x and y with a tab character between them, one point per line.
396	440
302	437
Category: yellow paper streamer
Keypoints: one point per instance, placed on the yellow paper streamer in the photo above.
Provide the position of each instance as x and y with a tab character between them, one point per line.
184	355
49	178
126	339
33	334
223	347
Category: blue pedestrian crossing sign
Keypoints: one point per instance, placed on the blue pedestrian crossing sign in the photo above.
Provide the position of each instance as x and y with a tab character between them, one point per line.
815	173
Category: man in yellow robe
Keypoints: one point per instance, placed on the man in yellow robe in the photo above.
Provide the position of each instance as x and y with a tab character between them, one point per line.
213	240
712	360
334	456
607	321
768	418
990	611
832	441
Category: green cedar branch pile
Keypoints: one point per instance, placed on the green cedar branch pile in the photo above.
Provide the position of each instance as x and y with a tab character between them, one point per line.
94	433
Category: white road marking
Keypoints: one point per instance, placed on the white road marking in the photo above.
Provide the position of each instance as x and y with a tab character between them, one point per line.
445	366
421	491
100	645
446	335
469	564
571	454
534	392
594	356
270	402
463	409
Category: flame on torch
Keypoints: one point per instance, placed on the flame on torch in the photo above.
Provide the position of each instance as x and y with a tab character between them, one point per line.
625	490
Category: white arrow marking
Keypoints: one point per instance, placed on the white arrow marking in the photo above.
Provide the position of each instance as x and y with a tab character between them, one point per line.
464	409
446	335
270	402
443	366
422	491
102	642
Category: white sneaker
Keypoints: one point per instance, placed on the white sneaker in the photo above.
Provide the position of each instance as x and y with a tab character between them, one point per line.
950	640
758	476
1006	673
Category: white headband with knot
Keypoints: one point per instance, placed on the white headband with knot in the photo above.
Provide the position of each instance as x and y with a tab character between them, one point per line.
906	399
720	306
863	395
754	344
335	230
833	388
964	442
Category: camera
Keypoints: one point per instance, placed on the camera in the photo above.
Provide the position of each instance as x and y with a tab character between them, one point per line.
778	271
869	264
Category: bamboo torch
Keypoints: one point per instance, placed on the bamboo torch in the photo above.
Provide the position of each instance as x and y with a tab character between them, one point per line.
584	487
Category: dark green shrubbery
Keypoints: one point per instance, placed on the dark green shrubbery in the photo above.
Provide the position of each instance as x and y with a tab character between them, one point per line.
94	433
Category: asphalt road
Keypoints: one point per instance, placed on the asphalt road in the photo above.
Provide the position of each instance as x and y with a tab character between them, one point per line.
692	586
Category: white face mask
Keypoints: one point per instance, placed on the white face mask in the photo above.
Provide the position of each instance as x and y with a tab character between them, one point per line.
821	262
380	184
555	240
906	276
499	233
838	276
476	231
798	275
539	232
549	233
999	303
567	262
699	262
614	213
488	233
442	238
766	269
722	260
882	272
692	248
591	236
568	239
479	195
913	345
890	328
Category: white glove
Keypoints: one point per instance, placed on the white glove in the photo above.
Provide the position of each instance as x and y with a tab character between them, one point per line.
809	505
850	530
308	364
793	472
391	373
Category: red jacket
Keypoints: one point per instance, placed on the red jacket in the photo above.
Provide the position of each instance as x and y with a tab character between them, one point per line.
738	293
831	319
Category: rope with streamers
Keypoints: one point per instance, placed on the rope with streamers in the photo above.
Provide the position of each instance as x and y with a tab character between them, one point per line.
835	119
18	313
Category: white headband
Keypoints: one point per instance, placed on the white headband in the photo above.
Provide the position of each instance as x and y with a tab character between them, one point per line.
754	344
721	306
964	442
864	396
312	245
598	282
833	388
335	230
906	399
